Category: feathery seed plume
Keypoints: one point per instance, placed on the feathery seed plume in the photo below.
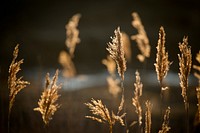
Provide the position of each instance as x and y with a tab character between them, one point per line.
15	85
197	75
72	34
162	63
47	104
148	117
196	67
116	50
67	63
141	38
165	124
185	63
197	118
136	99
102	114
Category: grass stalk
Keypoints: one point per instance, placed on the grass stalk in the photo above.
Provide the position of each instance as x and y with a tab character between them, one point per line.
185	63
124	106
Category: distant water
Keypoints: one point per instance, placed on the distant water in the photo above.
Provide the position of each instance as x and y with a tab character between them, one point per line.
81	81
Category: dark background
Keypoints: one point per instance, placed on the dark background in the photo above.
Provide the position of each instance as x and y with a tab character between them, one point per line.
39	28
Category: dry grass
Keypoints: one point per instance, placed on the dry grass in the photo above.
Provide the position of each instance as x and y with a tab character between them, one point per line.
116	50
65	60
72	34
119	50
102	114
141	38
197	75
136	99
197	68
185	63
148	117
165	124
47	104
113	83
162	63
15	85
72	39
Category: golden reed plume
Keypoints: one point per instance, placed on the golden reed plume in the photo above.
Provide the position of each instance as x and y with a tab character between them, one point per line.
15	85
65	60
197	75
141	38
136	99
165	124
47	104
197	117
72	34
148	117
197	68
102	114
162	63
116	50
113	83
185	63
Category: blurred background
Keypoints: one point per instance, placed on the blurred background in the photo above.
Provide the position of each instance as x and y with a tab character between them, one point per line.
39	28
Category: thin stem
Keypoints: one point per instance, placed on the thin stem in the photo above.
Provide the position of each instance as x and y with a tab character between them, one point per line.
110	128
187	115
124	108
162	100
139	128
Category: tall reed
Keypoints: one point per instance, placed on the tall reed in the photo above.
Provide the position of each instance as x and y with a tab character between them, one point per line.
113	82
185	63
197	75
165	125
148	121
141	38
101	114
15	84
72	39
136	99
65	60
197	68
162	64
116	50
72	33
47	104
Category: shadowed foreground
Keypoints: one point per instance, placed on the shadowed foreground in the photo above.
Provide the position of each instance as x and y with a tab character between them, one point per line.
70	117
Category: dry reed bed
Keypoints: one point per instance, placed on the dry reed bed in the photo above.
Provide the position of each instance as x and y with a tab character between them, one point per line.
117	108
